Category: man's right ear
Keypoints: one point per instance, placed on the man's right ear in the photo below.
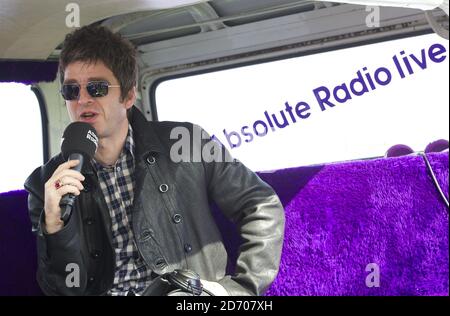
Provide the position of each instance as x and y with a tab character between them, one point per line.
130	100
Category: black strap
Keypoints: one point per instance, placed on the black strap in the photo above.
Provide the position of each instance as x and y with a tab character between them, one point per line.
177	283
433	177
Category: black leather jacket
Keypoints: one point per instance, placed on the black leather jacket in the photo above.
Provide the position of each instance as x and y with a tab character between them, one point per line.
173	229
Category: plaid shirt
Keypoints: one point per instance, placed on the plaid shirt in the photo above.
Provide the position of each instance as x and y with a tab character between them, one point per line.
117	184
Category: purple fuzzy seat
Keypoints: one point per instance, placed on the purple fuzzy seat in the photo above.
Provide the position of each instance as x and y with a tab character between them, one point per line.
349	215
437	146
399	150
18	261
339	219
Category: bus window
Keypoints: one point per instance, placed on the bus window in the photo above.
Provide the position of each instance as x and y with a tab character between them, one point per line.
21	130
346	104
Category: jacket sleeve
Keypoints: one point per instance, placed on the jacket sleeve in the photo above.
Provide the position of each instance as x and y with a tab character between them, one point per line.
256	210
60	267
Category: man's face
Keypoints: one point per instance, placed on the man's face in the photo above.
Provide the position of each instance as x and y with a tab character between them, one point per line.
107	114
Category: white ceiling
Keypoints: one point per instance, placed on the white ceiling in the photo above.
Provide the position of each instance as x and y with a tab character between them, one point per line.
31	29
414	4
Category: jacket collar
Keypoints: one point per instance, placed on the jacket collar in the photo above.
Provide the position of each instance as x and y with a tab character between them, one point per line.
145	138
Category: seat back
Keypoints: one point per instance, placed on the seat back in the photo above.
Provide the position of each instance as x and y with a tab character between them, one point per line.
372	227
18	262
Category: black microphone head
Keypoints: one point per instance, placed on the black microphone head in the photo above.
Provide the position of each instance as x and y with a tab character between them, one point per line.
81	138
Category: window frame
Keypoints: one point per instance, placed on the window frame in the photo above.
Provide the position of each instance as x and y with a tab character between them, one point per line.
44	123
155	81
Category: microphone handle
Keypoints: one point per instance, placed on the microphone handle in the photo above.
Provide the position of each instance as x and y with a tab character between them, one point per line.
68	200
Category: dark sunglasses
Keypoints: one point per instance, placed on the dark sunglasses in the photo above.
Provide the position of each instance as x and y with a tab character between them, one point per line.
96	89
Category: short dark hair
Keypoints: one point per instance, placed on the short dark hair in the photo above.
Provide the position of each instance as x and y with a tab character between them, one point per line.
98	43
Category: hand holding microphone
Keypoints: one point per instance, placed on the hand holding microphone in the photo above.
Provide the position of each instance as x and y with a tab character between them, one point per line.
79	145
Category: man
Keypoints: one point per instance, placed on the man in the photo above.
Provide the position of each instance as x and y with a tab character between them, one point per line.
140	213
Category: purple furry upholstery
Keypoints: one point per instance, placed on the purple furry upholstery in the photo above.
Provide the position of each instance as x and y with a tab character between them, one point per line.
28	72
339	218
399	150
383	211
17	247
437	146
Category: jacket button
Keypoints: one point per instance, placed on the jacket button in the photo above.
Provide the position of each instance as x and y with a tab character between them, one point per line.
95	254
163	188
86	187
151	160
187	248
176	218
160	263
89	221
146	235
91	279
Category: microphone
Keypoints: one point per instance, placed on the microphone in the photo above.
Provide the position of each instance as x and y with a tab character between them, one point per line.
79	142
